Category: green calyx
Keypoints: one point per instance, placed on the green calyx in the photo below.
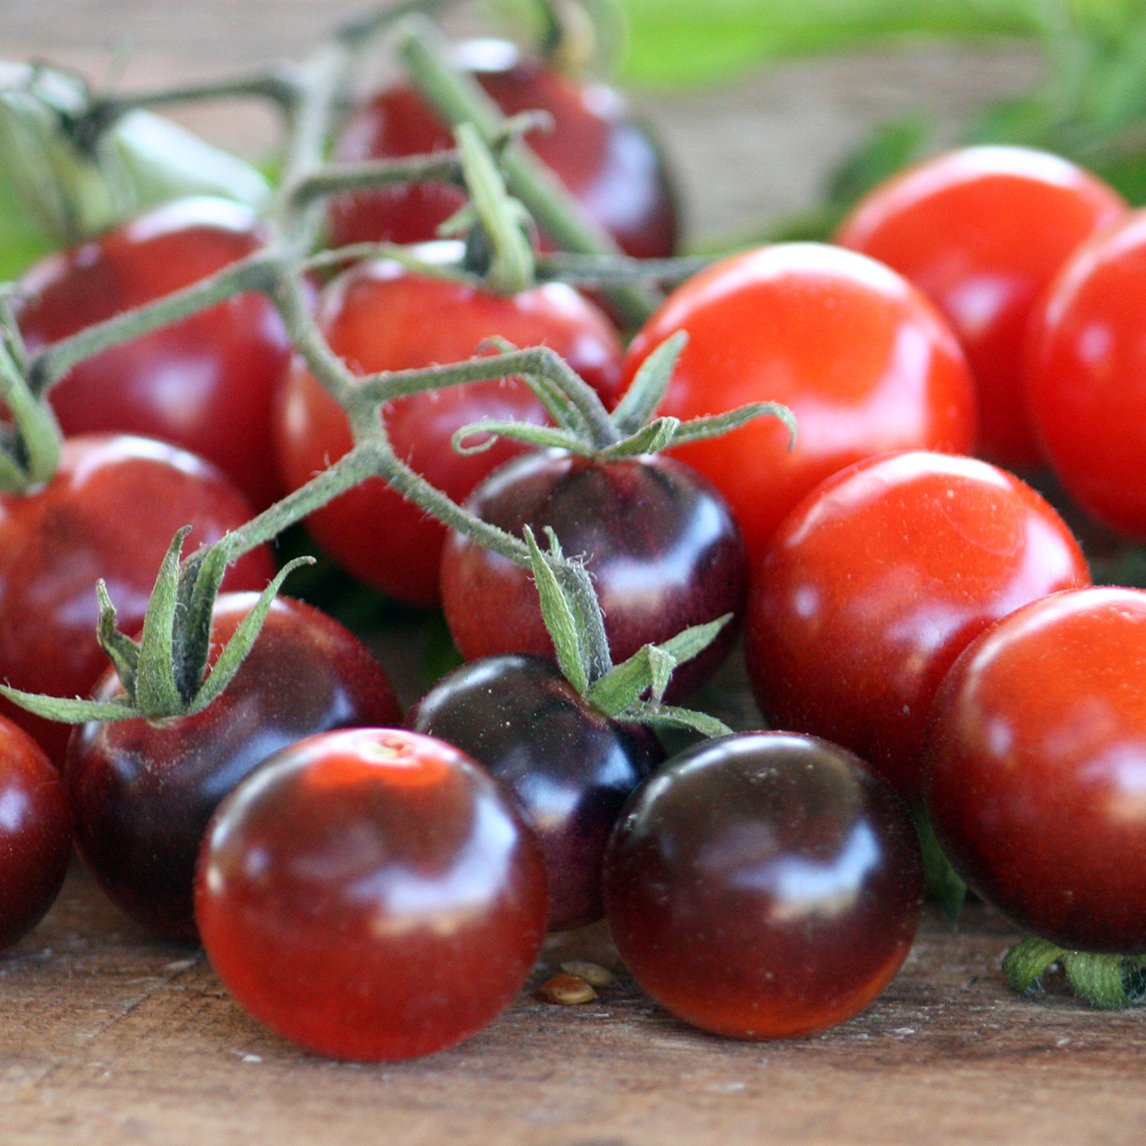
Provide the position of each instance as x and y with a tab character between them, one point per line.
165	672
1106	982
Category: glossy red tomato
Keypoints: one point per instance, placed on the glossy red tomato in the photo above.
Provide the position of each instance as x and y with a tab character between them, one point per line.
35	833
380	317
1036	766
659	542
1086	376
206	383
607	160
111	511
982	231
372	894
860	356
875	583
142	791
764	885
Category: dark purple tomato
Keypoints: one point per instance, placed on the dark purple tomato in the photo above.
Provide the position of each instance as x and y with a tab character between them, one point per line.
206	383
606	159
143	791
1035	768
660	543
110	511
570	766
764	885
371	894
35	833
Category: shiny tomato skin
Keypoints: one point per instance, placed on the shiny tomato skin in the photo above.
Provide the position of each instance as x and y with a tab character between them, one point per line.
142	792
607	160
1035	766
207	383
35	833
1086	376
111	511
763	885
875	583
659	542
380	317
570	767
861	358
398	900
982	231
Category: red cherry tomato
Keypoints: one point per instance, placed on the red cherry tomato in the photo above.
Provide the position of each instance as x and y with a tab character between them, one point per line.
142	791
372	894
110	511
605	158
35	833
763	885
206	383
1086	376
379	316
860	356
982	231
1035	768
875	583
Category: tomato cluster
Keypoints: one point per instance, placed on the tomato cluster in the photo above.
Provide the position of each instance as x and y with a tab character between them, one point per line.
916	622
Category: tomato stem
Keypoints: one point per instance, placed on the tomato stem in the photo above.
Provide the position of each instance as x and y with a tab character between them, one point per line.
1104	981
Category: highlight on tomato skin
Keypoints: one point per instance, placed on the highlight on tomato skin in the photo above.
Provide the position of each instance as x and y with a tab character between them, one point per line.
764	885
372	894
982	231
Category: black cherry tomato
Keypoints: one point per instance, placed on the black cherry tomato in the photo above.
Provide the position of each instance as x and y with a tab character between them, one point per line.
379	316
607	160
372	894
35	833
764	885
660	543
207	383
570	766
1035	768
111	510
142	791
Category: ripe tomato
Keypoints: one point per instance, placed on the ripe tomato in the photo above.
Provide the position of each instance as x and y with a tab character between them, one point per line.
206	383
35	833
379	316
142	791
1036	763
659	542
763	885
607	160
110	511
371	894
878	579
982	231
1086	376
859	355
570	766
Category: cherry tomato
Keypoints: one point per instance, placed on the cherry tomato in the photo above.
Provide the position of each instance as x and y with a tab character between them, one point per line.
607	160
111	512
372	894
570	766
859	355
35	833
379	316
143	791
1086	376
875	583
206	383
982	231
764	885
1036	763
659	542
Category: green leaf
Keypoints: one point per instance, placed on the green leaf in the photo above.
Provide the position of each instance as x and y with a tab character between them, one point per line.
559	615
488	430
121	650
649	384
69	710
156	692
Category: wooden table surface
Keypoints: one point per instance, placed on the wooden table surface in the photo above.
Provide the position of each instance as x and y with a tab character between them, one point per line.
107	1036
